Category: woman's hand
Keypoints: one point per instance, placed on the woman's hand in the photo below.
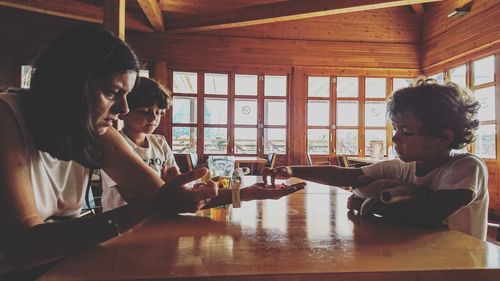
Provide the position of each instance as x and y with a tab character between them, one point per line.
283	172
174	197
262	191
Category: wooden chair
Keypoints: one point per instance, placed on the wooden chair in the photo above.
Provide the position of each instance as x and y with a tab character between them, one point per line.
309	160
271	160
341	160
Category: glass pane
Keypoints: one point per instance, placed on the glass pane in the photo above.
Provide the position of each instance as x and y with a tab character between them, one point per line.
318	141
185	82
375	114
375	135
274	141
245	84
318	113
216	83
318	86
245	140
485	141
245	111
484	70
184	139
347	113
347	86
458	74
215	141
486	98
184	110
439	77
275	112
215	111
275	85
375	87
347	141
399	83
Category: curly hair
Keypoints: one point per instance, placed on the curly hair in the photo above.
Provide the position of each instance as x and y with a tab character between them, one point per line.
438	107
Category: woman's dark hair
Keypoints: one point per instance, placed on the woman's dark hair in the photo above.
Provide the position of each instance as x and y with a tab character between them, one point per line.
57	110
438	107
147	92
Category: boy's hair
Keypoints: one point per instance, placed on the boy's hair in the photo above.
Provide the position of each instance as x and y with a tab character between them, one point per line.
438	107
58	111
147	93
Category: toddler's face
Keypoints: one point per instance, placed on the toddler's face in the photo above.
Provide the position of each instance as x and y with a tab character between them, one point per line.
144	119
410	144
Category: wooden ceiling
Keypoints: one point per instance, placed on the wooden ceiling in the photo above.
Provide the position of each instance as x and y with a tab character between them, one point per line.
188	16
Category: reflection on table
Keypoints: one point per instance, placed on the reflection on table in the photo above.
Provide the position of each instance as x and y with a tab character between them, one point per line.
307	235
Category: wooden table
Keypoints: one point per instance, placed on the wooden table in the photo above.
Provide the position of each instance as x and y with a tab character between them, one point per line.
308	235
365	160
252	160
248	160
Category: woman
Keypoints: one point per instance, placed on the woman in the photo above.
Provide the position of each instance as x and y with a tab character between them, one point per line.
61	127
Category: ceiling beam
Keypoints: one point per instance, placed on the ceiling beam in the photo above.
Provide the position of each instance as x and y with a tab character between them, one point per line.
418	9
114	17
77	10
281	11
153	12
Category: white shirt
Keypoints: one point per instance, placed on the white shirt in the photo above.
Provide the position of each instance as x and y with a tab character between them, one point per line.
58	186
462	171
157	155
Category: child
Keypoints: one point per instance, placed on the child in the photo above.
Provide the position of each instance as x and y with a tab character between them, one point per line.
430	120
148	102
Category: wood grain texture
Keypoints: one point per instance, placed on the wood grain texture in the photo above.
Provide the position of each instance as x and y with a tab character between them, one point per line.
308	235
281	11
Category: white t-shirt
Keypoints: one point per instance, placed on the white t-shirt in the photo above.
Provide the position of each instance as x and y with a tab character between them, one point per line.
58	186
157	155
462	171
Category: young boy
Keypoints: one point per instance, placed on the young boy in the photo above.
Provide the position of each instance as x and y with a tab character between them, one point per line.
430	120
148	102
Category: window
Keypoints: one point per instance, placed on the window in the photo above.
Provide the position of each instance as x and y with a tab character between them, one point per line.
399	83
483	85
458	75
184	112
439	77
241	114
275	113
334	108
318	115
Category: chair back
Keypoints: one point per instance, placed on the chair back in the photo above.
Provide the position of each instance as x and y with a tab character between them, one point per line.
183	160
309	159
194	160
271	160
341	160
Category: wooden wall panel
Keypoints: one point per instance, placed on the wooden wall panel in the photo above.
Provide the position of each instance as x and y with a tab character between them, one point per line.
436	21
474	34
196	49
393	25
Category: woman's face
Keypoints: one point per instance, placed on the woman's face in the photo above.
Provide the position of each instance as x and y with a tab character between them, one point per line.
143	119
108	98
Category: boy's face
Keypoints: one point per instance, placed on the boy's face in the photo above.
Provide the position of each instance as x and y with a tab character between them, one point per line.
143	119
410	144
